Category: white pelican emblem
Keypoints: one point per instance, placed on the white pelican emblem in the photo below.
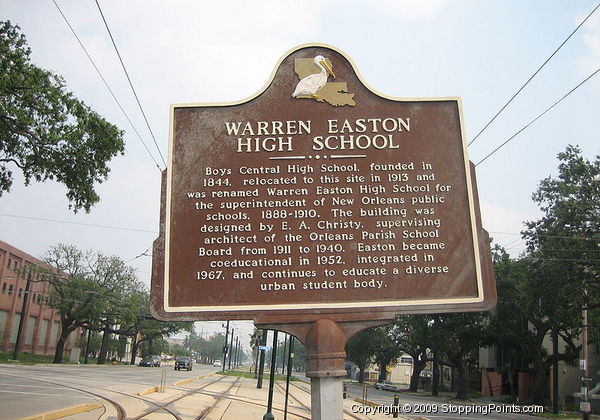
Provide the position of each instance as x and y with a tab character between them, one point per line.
311	84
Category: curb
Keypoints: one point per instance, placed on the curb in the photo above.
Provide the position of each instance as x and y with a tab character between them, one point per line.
156	388
148	391
184	381
63	412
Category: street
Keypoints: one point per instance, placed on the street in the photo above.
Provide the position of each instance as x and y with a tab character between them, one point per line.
119	392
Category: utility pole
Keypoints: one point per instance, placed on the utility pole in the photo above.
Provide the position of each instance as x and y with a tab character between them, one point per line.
261	366
237	352
230	348
554	368
585	415
225	347
23	314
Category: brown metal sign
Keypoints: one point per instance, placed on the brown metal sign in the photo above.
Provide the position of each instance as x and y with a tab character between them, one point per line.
319	196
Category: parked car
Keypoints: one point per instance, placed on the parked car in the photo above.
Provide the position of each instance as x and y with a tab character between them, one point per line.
183	362
217	363
387	386
152	360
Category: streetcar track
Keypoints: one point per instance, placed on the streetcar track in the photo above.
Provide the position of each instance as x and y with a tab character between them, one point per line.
186	393
246	400
219	397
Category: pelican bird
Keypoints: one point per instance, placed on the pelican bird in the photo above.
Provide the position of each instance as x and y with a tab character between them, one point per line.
311	84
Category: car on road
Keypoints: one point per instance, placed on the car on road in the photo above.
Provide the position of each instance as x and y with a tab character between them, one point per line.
217	363
387	386
183	362
152	360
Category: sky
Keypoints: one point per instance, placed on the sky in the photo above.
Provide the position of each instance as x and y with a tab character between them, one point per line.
206	51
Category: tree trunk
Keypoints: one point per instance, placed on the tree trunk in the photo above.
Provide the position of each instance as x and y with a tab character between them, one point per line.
134	349
255	355
435	374
418	366
539	384
60	345
103	346
462	387
382	372
540	369
361	374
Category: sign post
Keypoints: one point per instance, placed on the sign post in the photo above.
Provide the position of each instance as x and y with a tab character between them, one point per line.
319	207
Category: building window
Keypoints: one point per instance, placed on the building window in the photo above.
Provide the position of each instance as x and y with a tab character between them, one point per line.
4	288
20	293
406	360
10	289
9	263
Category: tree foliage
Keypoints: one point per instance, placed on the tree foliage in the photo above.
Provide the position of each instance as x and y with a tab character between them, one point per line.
360	350
412	334
558	276
386	350
84	286
45	131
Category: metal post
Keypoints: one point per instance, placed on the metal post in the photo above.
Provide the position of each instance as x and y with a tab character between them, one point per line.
269	415
396	406
261	367
225	347
289	373
23	315
285	344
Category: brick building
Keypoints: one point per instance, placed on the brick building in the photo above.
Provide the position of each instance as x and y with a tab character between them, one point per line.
41	327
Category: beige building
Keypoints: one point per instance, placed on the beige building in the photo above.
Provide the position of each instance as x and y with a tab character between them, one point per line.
496	381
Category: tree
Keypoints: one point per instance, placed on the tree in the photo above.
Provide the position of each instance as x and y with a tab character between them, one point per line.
360	350
255	339
411	334
83	286
508	328
386	351
459	337
45	131
563	264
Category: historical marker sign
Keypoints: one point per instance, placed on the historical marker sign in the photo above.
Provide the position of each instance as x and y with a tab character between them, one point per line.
319	196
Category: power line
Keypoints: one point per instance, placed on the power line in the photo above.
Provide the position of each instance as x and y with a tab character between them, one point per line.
537	118
130	83
595	238
77	223
533	75
143	254
105	82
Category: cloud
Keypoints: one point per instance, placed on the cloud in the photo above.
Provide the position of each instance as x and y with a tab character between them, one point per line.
409	10
504	225
591	41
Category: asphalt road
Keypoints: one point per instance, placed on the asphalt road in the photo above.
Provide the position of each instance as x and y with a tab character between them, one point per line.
30	390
